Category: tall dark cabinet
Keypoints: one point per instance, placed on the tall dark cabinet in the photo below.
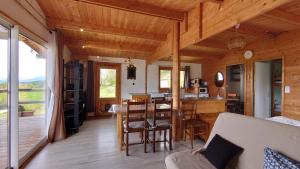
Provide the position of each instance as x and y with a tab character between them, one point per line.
73	96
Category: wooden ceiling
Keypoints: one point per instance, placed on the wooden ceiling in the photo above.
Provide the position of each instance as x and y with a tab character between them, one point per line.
127	28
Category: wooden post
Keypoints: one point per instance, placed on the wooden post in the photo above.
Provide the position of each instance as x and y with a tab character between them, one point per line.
176	66
146	77
175	78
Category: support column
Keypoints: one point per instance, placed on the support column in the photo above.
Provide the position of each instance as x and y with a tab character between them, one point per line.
176	66
175	79
146	76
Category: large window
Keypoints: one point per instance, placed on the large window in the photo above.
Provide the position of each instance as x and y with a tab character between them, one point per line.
3	97
165	79
32	111
108	83
181	78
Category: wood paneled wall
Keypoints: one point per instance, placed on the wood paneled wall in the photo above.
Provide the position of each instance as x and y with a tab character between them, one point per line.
286	47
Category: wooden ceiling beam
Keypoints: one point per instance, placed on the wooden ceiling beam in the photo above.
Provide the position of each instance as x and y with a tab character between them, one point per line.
207	20
212	43
89	27
216	19
283	16
251	31
193	53
164	50
121	54
215	1
101	58
109	45
137	7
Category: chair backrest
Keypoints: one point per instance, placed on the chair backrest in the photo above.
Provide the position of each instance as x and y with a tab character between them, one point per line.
124	101
136	111
232	95
141	98
163	110
188	109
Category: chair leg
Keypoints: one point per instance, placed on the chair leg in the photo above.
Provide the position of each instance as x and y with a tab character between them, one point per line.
165	136
192	137
170	139
127	143
154	140
142	136
145	141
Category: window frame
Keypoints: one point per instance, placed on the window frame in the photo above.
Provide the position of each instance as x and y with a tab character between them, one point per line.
162	90
116	87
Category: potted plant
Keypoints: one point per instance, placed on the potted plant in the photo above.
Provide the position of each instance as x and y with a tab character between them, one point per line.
23	112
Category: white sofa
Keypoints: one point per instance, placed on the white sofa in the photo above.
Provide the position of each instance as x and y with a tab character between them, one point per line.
250	133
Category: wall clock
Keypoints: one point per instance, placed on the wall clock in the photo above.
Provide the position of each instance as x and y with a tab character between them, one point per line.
248	54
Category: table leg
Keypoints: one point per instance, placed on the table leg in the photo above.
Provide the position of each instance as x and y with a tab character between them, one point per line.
120	131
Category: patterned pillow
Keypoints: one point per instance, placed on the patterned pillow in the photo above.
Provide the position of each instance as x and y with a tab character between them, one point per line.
276	160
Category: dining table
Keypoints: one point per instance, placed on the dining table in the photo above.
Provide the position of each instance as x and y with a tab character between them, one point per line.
121	109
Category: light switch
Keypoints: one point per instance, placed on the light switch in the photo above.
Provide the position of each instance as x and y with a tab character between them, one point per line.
287	89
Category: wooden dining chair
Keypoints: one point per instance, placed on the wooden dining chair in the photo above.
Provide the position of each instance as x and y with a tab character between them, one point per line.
135	122
161	121
192	125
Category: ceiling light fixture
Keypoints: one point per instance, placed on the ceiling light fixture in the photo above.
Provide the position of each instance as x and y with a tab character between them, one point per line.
81	30
237	42
83	47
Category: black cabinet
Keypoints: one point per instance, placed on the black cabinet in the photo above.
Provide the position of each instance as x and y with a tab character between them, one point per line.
73	96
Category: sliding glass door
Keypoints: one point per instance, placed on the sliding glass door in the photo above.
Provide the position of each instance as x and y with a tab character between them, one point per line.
32	78
4	115
22	96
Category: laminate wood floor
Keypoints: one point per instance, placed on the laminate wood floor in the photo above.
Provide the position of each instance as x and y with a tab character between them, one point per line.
95	147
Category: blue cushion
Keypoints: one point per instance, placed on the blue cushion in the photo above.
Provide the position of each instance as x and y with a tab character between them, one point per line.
276	160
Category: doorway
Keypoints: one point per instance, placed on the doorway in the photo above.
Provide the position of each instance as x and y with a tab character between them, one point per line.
235	88
108	88
267	88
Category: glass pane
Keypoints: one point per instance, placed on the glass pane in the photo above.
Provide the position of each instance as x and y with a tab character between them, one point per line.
3	98
32	81
277	98
108	85
165	78
182	73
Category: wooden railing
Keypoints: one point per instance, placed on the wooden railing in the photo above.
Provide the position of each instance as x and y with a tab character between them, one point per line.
25	102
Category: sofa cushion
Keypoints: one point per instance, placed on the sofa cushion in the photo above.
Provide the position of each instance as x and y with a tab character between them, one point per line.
188	160
220	151
275	159
254	135
134	125
159	123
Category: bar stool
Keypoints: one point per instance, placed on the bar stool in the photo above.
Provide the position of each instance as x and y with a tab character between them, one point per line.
192	126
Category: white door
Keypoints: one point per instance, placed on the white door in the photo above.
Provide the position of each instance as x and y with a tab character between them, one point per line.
262	88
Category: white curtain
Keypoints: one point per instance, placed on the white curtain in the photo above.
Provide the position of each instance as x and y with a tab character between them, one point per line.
51	56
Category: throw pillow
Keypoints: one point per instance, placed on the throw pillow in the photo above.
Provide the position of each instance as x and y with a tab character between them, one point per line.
274	159
220	151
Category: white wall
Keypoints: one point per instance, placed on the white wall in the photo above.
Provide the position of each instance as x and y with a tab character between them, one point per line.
127	86
262	84
152	83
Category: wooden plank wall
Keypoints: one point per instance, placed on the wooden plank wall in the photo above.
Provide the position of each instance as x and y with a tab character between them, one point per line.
287	47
